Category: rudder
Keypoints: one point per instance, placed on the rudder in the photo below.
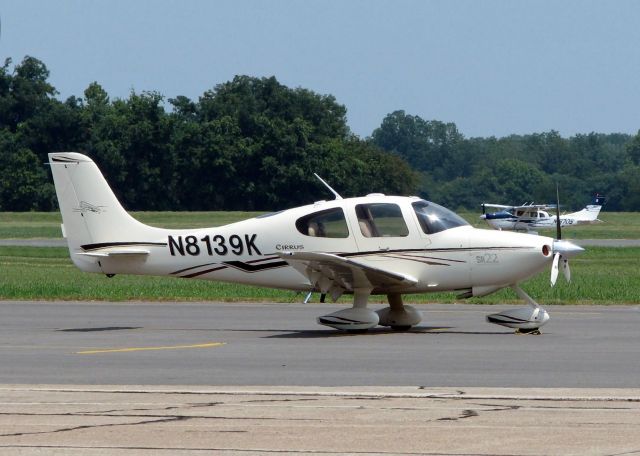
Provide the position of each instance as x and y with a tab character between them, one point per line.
91	213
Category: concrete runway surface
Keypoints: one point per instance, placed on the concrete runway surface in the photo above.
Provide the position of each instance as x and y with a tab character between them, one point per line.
238	379
117	420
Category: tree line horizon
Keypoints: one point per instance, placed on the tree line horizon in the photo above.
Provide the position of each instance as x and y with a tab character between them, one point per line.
253	144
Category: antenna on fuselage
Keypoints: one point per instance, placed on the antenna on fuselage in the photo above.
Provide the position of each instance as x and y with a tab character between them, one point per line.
338	197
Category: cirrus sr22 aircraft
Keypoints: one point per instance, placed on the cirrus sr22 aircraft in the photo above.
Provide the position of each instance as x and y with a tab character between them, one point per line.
375	244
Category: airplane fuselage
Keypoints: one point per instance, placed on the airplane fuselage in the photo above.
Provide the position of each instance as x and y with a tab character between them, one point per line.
526	224
460	258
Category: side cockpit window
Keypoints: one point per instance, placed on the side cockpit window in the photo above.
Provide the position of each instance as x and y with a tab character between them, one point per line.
381	220
328	224
434	218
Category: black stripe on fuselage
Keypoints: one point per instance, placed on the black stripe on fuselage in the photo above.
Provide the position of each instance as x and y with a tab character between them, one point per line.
210	264
248	266
450	249
255	267
103	245
399	252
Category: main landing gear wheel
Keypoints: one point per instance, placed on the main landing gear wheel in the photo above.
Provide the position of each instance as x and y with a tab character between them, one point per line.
398	316
359	318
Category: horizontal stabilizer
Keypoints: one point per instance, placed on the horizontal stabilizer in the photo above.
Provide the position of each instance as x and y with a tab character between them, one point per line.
103	253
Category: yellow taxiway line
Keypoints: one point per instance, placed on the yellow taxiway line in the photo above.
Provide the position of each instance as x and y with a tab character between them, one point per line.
133	349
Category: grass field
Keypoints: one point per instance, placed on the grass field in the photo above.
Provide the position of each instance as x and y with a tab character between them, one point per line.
599	276
46	225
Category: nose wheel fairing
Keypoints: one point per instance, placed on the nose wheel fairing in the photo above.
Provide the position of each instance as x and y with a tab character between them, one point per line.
526	320
523	318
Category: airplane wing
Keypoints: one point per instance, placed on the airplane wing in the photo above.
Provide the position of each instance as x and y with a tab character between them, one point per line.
524	206
496	206
335	274
535	206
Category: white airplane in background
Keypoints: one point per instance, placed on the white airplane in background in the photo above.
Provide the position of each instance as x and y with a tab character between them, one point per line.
376	244
529	217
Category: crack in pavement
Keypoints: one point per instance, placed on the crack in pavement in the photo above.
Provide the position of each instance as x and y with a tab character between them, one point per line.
170	407
551	407
204	417
254	401
465	414
265	451
94	426
157	418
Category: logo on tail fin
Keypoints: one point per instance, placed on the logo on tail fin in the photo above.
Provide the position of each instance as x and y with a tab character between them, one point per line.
598	200
88	207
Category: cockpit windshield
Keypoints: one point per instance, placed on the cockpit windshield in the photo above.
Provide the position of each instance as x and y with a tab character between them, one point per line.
434	218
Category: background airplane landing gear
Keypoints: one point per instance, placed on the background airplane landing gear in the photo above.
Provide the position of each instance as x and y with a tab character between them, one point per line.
398	316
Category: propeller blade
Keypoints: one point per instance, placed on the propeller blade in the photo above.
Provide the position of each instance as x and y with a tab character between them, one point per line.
554	269
558	227
565	269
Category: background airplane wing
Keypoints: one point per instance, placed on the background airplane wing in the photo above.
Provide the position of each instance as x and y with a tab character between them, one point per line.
524	206
534	206
496	206
334	274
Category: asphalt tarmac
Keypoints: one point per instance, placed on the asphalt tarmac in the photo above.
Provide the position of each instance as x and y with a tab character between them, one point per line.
141	343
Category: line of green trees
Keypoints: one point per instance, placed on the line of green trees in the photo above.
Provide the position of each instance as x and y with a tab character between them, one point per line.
254	144
462	172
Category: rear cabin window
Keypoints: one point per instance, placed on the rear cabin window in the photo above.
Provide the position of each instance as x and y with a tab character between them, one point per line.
381	220
327	224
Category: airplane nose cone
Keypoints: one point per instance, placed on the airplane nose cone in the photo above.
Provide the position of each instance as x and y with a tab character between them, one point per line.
483	216
566	248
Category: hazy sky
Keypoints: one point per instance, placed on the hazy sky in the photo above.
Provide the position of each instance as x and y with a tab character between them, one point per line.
492	67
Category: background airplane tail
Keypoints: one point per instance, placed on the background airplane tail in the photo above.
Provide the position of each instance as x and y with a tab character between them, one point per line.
591	211
92	216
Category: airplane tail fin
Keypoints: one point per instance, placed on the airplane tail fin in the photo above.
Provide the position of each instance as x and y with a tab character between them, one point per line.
93	218
590	213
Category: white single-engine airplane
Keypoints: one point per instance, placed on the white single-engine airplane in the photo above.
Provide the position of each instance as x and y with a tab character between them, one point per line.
375	244
529	217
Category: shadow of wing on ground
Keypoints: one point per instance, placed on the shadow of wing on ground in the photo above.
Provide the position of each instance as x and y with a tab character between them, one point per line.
325	333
